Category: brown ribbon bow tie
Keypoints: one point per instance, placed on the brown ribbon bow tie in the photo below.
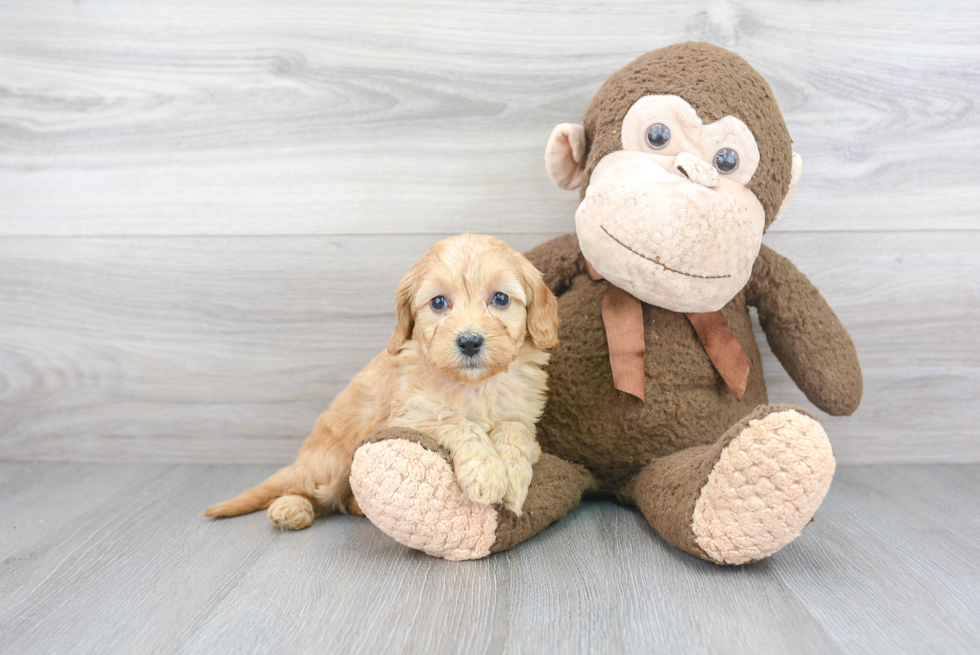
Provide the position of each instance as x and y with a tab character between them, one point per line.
622	314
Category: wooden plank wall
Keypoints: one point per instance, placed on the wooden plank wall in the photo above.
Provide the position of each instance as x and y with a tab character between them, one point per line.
205	206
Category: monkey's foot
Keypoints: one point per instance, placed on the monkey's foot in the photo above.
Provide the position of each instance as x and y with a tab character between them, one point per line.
405	485
411	494
764	489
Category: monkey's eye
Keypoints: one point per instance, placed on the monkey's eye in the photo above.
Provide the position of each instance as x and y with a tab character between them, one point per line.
658	136
500	299
726	160
439	303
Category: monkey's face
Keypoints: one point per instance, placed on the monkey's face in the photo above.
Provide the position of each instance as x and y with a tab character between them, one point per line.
668	217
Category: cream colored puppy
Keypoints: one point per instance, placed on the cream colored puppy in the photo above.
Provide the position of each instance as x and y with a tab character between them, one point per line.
464	365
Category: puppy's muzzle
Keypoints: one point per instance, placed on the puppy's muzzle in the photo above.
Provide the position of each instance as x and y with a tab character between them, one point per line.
470	344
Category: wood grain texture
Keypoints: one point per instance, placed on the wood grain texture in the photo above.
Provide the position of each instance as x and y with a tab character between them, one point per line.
419	117
41	499
226	349
892	539
890	565
205	207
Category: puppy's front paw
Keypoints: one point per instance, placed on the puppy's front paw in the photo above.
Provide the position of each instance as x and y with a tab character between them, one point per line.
291	513
482	478
518	451
519	473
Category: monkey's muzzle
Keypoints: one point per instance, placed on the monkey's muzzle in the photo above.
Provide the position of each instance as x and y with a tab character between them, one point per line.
664	236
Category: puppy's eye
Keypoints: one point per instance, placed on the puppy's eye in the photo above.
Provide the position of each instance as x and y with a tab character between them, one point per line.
658	136
500	299
439	303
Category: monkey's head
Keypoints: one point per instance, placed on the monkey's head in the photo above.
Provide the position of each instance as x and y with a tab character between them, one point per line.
684	161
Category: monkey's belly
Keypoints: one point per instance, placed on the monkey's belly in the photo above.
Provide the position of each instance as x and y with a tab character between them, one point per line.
612	433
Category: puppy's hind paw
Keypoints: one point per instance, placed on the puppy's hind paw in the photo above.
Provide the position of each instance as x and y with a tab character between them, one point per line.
291	513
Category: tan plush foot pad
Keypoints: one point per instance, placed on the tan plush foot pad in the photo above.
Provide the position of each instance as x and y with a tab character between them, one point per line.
764	489
411	494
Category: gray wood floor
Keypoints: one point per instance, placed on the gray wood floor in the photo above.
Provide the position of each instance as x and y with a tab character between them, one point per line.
103	558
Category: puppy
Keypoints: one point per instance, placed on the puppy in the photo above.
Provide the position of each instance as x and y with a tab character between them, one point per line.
465	365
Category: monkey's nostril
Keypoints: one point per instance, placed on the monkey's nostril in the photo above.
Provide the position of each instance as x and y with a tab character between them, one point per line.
683	172
469	344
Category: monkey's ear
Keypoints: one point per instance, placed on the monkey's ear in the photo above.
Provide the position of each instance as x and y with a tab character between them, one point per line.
564	157
793	179
403	308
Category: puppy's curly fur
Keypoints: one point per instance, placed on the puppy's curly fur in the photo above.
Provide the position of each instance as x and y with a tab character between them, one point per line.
481	403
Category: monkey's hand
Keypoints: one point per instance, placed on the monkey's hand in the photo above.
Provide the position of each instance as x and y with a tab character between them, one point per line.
805	334
559	260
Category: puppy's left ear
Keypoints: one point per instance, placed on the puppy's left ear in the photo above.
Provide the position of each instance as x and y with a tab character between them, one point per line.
407	289
542	308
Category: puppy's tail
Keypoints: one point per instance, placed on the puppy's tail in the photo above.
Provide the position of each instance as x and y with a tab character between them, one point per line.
253	499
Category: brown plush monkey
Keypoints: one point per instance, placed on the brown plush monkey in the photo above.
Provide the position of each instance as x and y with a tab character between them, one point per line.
657	395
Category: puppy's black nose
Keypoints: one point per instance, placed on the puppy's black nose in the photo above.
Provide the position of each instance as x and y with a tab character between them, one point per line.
469	344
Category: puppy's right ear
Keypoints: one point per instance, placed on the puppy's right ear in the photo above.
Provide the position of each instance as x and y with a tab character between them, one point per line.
403	308
564	156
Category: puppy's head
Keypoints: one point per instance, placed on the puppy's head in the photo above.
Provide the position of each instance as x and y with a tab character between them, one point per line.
470	303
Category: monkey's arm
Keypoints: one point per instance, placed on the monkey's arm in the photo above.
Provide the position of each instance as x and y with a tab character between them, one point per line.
559	260
805	334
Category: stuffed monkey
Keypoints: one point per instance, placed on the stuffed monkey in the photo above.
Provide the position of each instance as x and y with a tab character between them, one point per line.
657	396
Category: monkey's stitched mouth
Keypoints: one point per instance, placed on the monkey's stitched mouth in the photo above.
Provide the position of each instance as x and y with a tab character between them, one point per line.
660	263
